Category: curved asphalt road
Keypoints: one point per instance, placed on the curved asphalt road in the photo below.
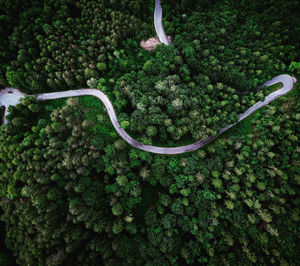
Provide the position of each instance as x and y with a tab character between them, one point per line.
286	80
158	23
288	84
15	96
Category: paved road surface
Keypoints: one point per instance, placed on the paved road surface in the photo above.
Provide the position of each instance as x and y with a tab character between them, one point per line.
286	80
158	23
10	96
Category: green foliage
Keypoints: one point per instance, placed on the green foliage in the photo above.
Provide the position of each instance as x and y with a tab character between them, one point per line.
124	124
151	131
14	78
74	193
117	209
62	44
295	66
148	66
4	259
101	66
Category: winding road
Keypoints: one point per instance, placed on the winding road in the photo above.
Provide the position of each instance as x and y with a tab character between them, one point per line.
158	23
286	80
11	96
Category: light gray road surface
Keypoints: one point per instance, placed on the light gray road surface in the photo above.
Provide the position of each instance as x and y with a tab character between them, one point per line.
286	80
158	23
11	96
13	99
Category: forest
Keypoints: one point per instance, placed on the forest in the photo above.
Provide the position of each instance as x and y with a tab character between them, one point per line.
72	192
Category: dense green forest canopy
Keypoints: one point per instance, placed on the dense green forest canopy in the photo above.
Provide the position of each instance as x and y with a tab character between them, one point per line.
74	193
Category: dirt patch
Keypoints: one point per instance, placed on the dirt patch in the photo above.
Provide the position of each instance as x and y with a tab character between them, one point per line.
152	42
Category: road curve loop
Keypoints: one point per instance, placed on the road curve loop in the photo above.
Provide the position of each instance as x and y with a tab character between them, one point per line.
286	80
